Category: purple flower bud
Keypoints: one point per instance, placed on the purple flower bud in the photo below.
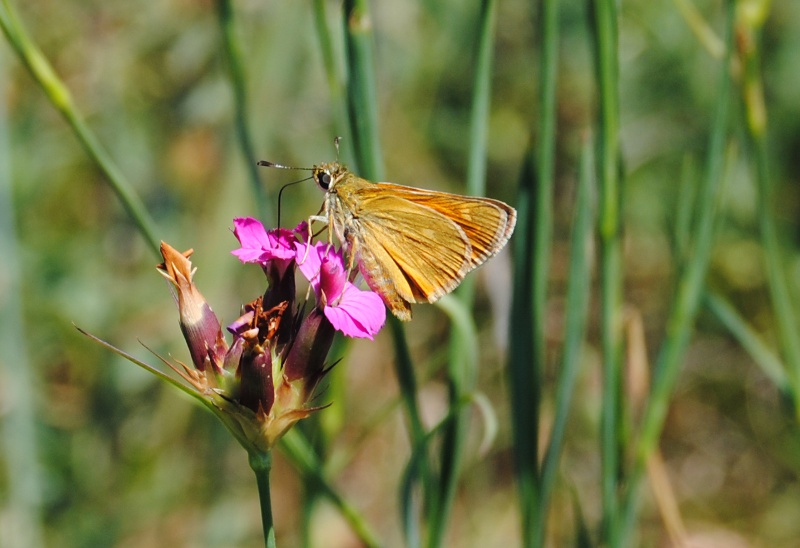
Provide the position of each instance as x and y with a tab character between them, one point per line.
199	324
306	358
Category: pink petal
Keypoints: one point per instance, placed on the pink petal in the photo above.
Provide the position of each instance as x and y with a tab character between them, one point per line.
282	241
260	246
358	314
253	237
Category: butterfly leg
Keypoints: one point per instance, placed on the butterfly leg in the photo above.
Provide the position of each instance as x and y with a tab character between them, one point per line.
352	250
322	219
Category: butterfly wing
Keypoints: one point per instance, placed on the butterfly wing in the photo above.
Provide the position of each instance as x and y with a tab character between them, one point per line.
414	245
487	223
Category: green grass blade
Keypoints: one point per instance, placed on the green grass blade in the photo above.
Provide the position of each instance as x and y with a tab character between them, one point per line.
548	30
481	100
769	363
19	447
362	102
579	280
522	376
752	91
58	94
689	294
363	112
414	474
302	457
332	72
604	26
363	115
533	516
233	55
462	366
684	213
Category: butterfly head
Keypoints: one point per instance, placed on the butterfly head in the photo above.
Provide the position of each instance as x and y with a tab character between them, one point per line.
327	175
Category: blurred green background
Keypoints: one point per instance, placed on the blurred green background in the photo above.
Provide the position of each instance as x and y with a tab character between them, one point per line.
123	460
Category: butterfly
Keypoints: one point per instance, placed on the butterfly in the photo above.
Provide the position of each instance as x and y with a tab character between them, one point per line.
411	245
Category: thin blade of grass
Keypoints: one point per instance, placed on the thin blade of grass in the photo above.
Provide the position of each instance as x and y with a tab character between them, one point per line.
303	457
332	71
752	91
769	363
689	294
462	367
462	364
58	94
534	516
604	27
362	97
684	214
22	499
579	283
232	48
362	109
521	375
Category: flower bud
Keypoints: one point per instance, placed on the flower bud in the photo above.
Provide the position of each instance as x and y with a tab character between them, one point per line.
200	327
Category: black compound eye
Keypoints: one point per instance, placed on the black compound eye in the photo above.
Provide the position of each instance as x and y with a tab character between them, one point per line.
324	180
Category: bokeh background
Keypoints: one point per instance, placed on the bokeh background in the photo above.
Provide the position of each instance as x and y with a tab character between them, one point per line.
114	457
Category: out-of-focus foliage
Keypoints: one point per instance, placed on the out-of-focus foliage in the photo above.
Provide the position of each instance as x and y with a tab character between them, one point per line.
126	461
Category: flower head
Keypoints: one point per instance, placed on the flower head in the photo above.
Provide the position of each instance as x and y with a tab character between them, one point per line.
261	383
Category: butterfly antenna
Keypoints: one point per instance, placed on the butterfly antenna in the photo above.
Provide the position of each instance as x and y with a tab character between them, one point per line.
336	142
280	193
266	163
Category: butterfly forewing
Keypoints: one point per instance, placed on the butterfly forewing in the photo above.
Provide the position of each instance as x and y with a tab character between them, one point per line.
486	223
407	231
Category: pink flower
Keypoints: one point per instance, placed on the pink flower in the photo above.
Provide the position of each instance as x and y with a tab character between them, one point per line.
354	312
260	246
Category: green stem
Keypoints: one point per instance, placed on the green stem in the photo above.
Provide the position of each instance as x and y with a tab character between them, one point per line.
58	94
462	368
362	105
261	463
233	54
481	100
606	46
404	369
781	297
